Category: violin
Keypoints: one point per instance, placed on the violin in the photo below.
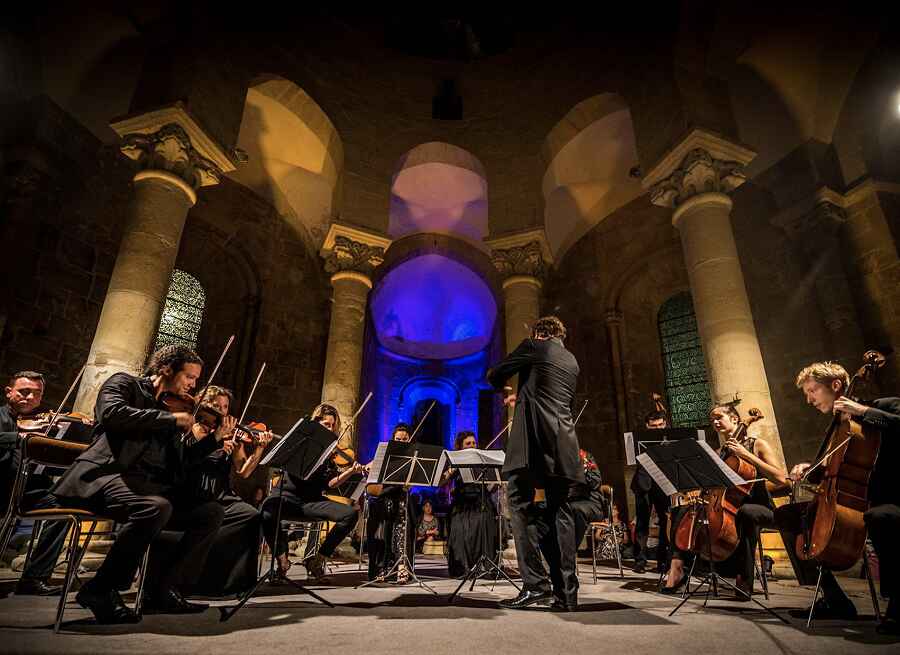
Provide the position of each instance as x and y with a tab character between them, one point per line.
343	457
834	531
40	422
204	413
720	507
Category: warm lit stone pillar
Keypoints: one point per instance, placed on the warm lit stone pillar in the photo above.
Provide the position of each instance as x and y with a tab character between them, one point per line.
175	158
694	178
350	256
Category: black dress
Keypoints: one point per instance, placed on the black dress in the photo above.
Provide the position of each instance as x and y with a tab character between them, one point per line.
384	529
473	527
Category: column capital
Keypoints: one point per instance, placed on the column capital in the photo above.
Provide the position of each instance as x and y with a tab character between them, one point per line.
525	253
702	162
351	249
169	139
814	218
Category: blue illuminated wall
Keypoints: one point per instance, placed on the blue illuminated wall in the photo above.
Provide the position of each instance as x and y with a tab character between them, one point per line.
431	334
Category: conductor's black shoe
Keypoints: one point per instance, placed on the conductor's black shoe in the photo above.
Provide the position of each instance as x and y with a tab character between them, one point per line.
106	606
525	599
172	602
825	612
36	587
888	626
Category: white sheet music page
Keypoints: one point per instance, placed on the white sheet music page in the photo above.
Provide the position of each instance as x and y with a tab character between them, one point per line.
476	457
727	470
658	476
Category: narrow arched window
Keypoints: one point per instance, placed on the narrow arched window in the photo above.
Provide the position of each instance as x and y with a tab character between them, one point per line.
686	384
182	314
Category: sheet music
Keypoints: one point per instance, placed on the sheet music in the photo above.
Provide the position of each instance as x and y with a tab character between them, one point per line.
701	435
277	446
474	457
658	476
727	470
486	475
375	466
360	488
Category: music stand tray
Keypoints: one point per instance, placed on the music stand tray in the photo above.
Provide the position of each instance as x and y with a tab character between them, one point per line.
300	452
687	465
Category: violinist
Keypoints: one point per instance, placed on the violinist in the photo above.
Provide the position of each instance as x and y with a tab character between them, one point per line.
131	473
24	394
823	385
232	560
304	500
647	494
755	513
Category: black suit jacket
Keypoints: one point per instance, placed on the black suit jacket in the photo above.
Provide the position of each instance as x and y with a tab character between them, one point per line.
129	424
542	438
884	485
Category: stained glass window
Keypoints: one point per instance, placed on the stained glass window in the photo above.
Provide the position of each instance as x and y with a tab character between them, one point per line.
686	385
183	312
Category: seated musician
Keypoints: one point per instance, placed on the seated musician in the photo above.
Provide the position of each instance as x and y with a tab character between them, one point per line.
823	385
231	565
304	500
755	513
384	529
586	499
131	474
647	495
473	526
24	394
428	528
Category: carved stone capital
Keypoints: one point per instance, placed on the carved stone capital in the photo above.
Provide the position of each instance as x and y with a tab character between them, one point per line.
701	163
815	221
351	249
522	253
169	139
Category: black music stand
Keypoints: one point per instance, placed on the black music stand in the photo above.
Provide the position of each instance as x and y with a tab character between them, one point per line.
405	464
484	467
687	465
300	453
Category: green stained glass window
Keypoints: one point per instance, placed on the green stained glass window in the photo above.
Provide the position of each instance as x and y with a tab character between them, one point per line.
686	386
183	312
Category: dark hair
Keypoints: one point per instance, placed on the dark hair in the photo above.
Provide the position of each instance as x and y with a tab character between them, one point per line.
655	415
34	376
175	356
461	436
728	409
549	327
401	427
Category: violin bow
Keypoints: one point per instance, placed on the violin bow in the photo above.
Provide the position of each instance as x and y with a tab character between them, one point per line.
581	411
187	435
252	392
62	404
354	417
422	421
499	434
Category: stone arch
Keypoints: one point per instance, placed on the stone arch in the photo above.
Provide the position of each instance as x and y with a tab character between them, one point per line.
439	188
295	155
590	157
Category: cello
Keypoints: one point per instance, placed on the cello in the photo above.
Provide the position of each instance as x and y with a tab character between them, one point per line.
720	507
834	532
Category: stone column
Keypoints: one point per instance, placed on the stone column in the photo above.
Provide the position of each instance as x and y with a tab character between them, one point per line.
815	225
175	158
351	255
694	179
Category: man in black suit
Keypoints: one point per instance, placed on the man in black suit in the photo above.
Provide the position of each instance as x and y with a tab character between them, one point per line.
823	385
647	494
542	454
130	474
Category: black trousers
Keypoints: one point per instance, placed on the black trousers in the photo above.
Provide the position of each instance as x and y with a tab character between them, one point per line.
50	543
141	518
643	501
584	512
547	528
293	508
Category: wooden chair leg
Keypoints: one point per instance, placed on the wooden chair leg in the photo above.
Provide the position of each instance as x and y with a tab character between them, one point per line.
70	570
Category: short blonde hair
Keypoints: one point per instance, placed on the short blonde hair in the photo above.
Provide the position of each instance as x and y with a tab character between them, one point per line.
824	373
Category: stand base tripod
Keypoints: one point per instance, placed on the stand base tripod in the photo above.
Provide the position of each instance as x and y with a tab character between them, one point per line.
712	581
483	567
271	576
395	573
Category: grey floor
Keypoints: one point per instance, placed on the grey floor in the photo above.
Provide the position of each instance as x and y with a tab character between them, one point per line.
618	616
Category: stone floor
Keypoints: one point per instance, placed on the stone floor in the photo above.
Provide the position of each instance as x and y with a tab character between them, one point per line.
618	615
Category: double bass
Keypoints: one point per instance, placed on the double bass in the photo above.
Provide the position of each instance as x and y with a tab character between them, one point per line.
720	507
834	533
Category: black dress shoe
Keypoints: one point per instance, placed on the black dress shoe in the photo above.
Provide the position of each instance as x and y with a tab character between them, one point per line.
36	587
639	567
560	605
828	612
671	591
172	602
888	626
107	606
525	599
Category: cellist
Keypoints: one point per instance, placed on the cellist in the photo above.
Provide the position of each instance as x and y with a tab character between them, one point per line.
755	513
823	385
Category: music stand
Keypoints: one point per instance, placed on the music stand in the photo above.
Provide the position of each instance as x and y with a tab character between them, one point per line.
300	453
404	464
688	465
481	467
